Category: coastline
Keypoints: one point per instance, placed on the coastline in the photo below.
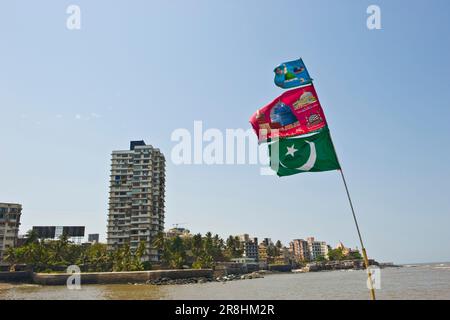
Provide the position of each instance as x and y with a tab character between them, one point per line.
177	276
429	281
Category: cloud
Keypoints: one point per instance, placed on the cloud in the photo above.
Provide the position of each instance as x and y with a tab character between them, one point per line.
78	116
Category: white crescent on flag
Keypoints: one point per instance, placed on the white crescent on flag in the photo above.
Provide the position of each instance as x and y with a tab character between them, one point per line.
312	158
309	164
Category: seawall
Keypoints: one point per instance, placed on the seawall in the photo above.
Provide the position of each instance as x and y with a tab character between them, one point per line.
104	277
18	276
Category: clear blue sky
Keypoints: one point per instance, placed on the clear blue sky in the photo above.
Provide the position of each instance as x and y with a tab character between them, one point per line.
140	69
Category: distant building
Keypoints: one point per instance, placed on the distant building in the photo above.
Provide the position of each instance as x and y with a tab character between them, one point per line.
317	248
244	260
250	246
346	251
285	252
73	233
178	232
300	250
262	252
21	240
93	238
285	256
9	226
267	242
136	198
309	249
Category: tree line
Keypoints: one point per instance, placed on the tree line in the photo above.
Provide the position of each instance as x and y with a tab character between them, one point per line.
57	255
175	252
197	251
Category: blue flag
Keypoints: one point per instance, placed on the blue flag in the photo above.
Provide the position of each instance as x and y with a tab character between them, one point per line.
291	74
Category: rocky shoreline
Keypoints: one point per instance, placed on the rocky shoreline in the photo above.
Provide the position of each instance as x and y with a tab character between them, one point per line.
341	265
230	277
310	267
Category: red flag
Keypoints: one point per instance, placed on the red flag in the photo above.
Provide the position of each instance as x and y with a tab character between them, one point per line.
295	112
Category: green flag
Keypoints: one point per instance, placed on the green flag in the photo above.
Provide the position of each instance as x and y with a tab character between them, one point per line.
306	153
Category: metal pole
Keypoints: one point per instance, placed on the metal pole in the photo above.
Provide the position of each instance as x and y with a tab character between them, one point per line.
363	249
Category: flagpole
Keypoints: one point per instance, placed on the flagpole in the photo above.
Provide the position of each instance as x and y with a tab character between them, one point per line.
363	249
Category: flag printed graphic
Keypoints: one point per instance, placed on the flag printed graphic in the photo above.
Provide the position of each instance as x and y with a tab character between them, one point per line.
291	74
306	153
295	112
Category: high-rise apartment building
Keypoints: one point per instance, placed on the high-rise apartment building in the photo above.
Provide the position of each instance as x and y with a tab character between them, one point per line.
9	226
136	198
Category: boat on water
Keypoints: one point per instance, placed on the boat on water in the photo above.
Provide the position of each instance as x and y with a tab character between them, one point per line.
298	271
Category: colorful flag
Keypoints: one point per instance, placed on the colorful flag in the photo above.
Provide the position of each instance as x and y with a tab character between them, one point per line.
295	112
291	74
306	153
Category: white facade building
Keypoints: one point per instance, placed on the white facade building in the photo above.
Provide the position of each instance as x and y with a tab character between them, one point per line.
136	198
317	248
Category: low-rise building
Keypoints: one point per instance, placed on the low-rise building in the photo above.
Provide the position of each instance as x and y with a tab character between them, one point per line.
317	248
308	250
93	238
244	260
262	252
178	232
250	247
285	256
267	242
9	226
300	250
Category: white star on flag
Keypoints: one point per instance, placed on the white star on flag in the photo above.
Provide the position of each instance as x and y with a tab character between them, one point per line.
291	150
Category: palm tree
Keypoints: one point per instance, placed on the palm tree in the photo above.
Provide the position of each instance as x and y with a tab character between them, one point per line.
177	253
31	237
137	261
158	241
208	243
59	251
197	245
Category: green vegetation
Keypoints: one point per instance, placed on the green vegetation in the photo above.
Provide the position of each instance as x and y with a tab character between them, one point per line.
177	252
197	251
320	259
338	255
57	255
